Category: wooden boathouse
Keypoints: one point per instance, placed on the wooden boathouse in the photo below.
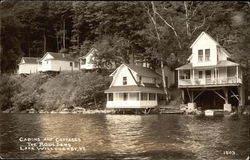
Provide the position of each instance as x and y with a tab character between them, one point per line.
210	79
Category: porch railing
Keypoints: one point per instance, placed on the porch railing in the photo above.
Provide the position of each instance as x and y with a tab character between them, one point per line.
209	81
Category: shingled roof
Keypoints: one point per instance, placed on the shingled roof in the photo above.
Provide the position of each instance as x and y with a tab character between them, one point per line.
30	60
60	56
143	71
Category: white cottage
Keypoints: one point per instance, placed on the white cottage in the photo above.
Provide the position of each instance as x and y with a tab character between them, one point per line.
58	62
134	87
87	61
210	79
169	74
28	65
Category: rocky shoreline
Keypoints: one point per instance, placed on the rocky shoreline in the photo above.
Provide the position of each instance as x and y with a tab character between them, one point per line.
80	110
76	110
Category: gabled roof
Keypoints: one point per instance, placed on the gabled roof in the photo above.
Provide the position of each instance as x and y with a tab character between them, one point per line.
202	34
218	45
30	60
90	52
142	71
134	89
59	56
224	50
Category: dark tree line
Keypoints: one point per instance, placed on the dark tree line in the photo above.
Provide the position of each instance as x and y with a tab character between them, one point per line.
155	31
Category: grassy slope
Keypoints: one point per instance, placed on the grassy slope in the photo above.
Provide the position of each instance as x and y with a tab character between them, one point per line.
67	89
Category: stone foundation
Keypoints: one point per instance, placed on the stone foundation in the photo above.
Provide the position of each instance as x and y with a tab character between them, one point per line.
227	107
191	106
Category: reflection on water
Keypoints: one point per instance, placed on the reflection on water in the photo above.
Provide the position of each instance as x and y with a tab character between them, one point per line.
128	136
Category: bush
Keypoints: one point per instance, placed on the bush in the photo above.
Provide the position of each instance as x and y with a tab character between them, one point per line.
23	100
8	88
90	90
29	93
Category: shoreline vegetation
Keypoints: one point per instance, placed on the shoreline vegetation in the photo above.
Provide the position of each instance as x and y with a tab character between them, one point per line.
68	92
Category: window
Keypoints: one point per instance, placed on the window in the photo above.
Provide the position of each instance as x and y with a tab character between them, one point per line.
144	96
200	55
207	54
187	74
124	81
70	64
208	74
125	96
200	74
75	64
133	96
151	96
110	97
83	61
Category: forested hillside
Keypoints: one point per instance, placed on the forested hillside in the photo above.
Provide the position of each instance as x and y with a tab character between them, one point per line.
152	30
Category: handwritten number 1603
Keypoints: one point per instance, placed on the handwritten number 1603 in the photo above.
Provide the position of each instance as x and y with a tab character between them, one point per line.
229	152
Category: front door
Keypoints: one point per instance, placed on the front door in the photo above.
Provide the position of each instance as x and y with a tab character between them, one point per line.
208	76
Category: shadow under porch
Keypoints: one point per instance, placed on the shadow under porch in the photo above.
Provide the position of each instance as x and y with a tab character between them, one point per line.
213	98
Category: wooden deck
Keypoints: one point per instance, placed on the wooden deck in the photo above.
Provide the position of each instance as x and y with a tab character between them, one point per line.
167	109
208	85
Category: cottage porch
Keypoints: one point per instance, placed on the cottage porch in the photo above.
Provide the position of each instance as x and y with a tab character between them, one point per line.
192	77
133	100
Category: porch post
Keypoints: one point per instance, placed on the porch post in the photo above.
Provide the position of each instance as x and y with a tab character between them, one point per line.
108	96
139	96
226	95
178	76
192	96
227	106
193	77
237	74
183	96
215	77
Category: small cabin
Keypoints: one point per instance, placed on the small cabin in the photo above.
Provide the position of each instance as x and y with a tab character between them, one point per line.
57	62
210	78
28	65
134	87
87	61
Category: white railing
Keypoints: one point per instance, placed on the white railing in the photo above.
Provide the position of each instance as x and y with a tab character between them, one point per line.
209	81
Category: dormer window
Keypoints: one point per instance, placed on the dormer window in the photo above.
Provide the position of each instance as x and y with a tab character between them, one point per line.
207	54
139	79
124	81
200	55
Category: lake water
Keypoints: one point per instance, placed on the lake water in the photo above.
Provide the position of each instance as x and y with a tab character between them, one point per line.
125	136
